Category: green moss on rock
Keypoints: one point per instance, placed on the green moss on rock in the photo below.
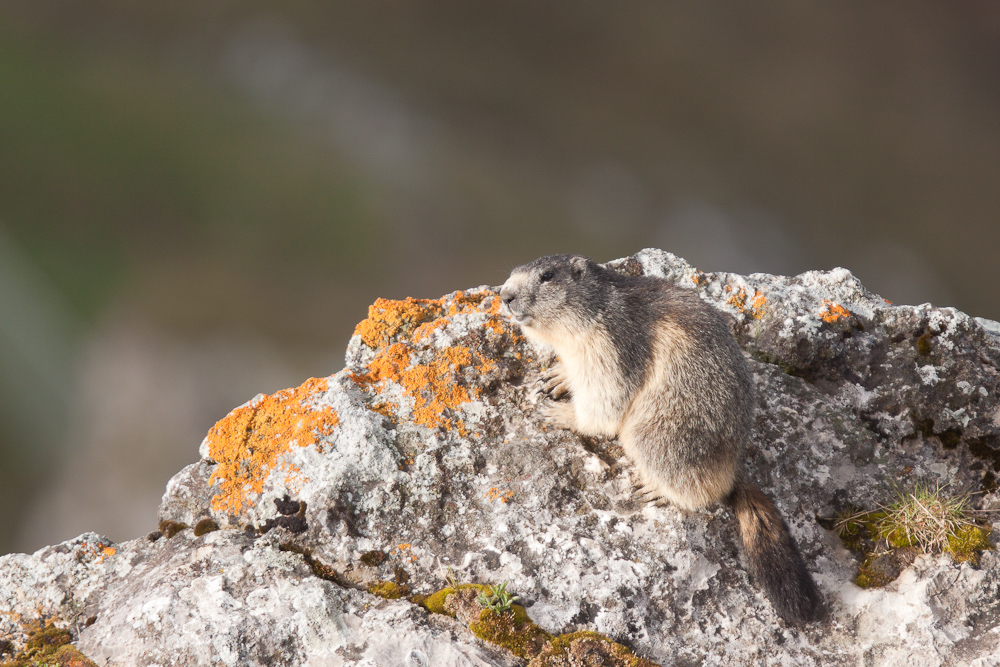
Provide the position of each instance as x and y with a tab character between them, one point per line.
47	647
561	644
319	568
888	540
205	526
587	648
968	542
389	590
373	558
515	631
924	347
512	630
170	528
434	602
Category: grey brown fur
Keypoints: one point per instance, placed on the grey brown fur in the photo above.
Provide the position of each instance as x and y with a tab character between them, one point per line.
654	365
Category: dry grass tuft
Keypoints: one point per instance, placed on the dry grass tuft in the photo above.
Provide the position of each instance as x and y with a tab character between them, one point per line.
924	517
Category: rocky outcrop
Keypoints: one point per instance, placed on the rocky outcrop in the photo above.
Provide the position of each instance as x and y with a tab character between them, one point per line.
320	517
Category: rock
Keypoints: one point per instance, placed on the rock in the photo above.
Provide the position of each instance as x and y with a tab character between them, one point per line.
423	463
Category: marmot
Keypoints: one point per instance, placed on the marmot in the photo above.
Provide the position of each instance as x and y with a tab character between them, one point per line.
654	365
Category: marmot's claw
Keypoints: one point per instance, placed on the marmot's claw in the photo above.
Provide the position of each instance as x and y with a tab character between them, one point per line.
555	389
539	393
649	495
554	383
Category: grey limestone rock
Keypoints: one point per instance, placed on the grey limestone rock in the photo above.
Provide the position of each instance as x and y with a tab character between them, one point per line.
424	460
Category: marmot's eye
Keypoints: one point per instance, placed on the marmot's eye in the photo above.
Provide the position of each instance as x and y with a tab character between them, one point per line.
547	276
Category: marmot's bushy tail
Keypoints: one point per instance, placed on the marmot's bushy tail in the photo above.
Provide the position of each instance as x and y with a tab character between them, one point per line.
772	556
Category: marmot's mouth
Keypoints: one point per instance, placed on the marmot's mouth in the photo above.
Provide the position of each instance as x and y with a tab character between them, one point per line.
521	320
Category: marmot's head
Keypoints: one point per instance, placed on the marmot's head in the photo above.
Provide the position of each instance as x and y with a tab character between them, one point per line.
550	295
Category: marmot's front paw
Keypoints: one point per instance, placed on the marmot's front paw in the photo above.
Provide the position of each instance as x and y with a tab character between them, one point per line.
558	413
554	384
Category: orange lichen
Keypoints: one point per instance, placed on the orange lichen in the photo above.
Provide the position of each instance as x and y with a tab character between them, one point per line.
432	385
436	378
399	330
293	478
757	306
388	318
246	443
495	322
427	328
95	552
699	279
496	494
486	366
404	550
833	312
384	409
466	303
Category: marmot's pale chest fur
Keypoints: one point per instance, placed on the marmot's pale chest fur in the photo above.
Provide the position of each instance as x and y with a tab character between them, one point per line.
654	365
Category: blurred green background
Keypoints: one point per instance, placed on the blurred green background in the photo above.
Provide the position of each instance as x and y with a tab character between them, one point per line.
199	200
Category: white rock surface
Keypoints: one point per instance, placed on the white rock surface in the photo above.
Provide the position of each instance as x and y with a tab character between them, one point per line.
846	414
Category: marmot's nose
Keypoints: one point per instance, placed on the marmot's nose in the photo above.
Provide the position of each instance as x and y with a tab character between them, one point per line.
507	296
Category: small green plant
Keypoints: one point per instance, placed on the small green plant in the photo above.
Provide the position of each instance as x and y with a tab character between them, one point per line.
925	518
496	598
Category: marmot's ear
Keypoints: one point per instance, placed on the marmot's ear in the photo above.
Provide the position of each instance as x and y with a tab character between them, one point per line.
578	265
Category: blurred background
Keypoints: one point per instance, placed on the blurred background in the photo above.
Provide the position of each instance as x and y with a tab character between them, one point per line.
199	200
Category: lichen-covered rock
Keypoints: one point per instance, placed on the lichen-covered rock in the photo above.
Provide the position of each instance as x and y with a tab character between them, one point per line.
583	649
423	463
46	645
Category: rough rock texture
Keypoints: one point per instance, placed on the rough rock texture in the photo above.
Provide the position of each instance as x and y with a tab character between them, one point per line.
424	459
